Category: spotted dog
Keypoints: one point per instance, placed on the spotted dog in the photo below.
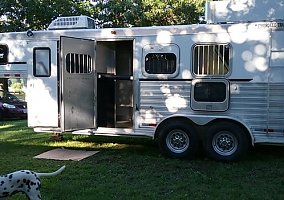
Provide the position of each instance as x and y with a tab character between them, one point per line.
24	181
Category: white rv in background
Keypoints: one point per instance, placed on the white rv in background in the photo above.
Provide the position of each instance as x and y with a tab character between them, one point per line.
221	83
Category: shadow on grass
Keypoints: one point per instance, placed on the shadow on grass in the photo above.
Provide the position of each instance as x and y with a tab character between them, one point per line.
268	152
115	139
148	146
113	145
132	168
16	135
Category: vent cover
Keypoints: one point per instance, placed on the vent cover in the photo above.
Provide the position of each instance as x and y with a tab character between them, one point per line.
72	22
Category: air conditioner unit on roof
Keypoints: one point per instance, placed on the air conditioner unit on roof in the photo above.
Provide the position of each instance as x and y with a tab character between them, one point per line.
72	22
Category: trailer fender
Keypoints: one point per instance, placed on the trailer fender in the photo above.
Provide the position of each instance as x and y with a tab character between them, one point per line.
203	120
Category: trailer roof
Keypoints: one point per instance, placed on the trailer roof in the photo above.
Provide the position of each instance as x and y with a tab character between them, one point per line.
106	33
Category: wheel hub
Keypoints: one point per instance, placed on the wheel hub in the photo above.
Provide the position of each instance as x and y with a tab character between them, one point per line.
177	141
225	143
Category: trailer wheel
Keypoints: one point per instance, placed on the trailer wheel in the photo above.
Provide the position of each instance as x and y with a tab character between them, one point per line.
178	140
225	142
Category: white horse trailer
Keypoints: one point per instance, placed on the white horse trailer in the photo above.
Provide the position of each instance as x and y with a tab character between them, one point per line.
221	83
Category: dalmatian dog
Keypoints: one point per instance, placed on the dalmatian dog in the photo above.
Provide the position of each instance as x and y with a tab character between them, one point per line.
24	181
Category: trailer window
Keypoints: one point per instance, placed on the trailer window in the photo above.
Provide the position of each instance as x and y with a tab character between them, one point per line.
78	63
210	92
41	62
211	59
210	95
160	63
3	54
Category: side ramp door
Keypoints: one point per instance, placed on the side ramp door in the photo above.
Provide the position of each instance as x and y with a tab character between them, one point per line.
77	83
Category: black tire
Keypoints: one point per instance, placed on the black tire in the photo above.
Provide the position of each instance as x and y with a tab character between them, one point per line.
225	141
178	140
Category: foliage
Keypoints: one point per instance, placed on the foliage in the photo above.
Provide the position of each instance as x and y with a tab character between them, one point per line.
20	15
132	168
17	87
127	13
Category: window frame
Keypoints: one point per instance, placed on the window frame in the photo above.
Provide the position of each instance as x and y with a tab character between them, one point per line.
48	74
167	48
209	44
210	105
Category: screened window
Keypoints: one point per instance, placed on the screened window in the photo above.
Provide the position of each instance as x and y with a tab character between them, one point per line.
41	62
160	63
4	54
78	63
210	92
211	59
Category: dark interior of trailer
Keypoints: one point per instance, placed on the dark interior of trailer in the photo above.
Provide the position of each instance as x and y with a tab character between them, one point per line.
114	65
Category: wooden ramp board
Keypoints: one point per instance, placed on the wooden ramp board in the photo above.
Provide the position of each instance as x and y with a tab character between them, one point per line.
66	154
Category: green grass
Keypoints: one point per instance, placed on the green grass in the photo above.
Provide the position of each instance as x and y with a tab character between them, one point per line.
128	168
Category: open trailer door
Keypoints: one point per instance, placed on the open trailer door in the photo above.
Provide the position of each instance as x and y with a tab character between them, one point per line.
77	83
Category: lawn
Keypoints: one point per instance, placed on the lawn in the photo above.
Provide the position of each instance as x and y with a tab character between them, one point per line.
132	168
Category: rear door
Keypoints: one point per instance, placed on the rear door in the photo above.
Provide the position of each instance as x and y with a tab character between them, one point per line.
77	83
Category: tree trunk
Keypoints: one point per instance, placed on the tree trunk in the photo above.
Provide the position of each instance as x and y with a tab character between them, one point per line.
4	84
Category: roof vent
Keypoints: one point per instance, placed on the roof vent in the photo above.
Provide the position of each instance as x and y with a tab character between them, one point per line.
72	22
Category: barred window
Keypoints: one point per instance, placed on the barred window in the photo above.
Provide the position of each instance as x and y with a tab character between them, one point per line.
211	59
160	63
78	63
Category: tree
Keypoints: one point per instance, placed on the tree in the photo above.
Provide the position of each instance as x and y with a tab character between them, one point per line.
3	84
171	12
117	13
21	15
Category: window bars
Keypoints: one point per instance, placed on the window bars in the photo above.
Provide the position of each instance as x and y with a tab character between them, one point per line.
211	59
78	63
